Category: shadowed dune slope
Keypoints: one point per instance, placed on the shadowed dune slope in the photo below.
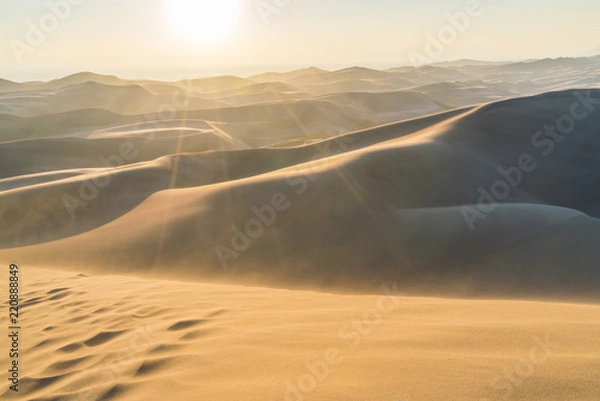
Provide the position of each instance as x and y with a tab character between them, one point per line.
256	125
130	98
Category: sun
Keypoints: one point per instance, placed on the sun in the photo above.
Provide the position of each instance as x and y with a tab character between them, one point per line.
203	21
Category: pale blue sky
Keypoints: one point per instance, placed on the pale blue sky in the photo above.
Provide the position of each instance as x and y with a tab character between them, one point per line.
138	38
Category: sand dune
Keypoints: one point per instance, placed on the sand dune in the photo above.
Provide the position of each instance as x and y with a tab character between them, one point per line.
267	92
123	99
387	106
217	83
6	85
80	78
286	76
388	198
346	74
287	236
119	338
468	92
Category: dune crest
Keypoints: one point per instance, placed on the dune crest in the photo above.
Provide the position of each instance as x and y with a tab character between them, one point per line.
410	234
402	201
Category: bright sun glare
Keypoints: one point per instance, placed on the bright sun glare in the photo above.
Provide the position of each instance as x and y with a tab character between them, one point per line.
203	21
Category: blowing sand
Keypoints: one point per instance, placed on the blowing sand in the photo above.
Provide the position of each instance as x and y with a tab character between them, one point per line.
122	338
399	235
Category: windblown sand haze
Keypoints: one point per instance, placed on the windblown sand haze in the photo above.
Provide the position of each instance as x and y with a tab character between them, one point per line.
357	234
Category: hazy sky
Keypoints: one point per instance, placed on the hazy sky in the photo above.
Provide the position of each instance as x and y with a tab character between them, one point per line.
41	39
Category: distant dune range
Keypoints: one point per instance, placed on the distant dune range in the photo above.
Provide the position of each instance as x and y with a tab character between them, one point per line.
373	171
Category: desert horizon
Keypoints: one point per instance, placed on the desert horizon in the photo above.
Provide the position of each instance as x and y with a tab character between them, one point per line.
299	201
196	72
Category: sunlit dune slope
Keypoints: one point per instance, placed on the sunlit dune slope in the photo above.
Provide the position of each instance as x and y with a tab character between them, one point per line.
401	206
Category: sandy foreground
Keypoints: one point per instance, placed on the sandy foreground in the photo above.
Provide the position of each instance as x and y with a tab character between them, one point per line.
123	338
